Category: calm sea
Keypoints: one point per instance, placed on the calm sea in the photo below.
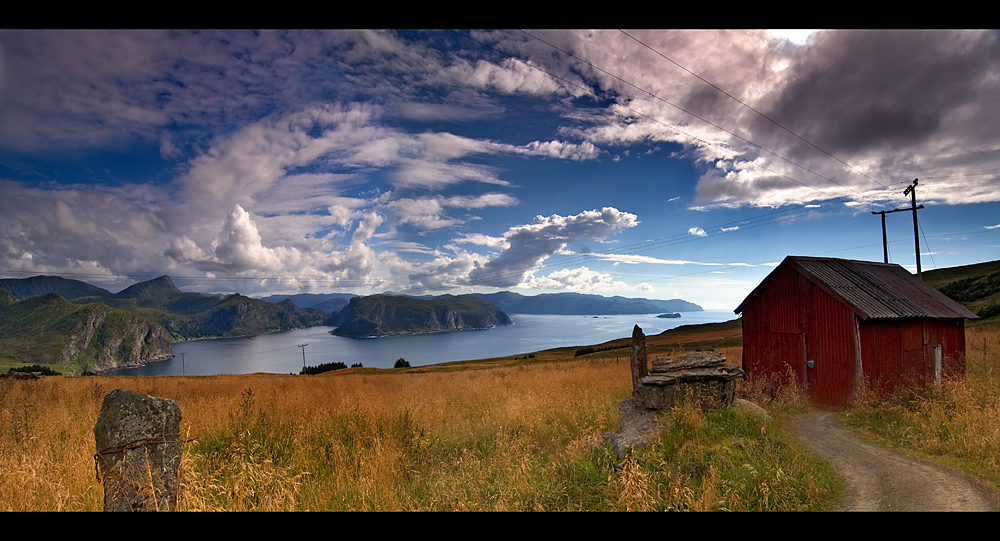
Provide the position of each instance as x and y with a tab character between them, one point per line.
280	352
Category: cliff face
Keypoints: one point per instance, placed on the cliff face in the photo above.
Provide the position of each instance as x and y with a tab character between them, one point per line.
384	315
118	340
48	329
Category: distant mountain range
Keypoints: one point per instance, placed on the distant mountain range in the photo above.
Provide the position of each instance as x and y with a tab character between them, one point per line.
185	315
582	304
572	304
54	320
327	302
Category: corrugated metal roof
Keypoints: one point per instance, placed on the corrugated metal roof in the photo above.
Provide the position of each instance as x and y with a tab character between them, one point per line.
875	290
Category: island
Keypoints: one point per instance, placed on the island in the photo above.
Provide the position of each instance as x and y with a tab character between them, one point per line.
671	315
386	315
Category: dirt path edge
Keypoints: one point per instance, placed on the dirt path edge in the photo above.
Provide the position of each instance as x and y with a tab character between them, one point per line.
880	479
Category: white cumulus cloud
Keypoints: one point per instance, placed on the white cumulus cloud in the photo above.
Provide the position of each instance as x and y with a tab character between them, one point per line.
528	245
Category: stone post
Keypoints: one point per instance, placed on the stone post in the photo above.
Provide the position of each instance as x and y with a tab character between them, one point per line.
638	358
138	451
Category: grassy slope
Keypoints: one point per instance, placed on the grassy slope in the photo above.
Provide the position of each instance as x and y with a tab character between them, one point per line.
977	287
726	336
44	329
517	438
194	315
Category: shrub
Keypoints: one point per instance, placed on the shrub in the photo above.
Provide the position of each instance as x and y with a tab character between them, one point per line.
989	311
325	367
46	371
594	349
401	363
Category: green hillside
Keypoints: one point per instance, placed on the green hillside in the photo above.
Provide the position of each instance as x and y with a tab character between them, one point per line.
977	287
194	315
49	330
23	288
185	315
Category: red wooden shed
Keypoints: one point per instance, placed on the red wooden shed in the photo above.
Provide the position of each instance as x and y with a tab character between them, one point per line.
836	324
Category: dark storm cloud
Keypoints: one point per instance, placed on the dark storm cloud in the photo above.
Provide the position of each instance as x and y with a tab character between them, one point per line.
860	90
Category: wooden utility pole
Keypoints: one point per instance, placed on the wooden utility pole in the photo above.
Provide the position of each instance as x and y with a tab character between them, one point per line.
303	346
912	192
885	243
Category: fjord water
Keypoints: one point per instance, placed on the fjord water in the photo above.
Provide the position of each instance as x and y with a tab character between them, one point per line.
280	352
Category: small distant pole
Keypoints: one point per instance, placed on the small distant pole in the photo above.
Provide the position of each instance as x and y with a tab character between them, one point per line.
303	346
182	364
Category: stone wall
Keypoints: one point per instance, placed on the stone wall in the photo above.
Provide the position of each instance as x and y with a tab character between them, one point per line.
700	377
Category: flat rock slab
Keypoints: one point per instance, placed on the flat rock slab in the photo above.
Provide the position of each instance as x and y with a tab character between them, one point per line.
718	373
686	361
637	426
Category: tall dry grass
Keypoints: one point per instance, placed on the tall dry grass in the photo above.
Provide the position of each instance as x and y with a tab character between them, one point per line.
957	423
518	438
480	439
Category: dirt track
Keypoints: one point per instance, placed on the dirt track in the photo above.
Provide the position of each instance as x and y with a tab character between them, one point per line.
879	479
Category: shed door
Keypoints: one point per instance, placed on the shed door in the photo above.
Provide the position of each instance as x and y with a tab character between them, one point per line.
793	351
912	370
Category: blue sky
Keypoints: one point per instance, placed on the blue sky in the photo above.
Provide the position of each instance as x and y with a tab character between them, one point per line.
656	163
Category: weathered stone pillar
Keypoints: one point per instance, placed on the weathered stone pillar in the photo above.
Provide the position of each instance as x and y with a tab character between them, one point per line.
138	451
638	358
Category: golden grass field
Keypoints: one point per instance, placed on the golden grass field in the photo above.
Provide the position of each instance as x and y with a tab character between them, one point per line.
503	435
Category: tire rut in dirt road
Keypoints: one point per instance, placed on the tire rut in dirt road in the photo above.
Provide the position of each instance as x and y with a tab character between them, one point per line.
879	479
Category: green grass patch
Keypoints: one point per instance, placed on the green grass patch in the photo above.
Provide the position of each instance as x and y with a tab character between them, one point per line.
731	460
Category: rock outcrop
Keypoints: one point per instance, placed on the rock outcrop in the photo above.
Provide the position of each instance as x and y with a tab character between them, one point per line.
700	378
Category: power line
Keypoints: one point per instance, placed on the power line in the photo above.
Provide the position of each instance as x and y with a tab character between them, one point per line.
679	237
762	115
653	95
674	128
963	175
732	266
